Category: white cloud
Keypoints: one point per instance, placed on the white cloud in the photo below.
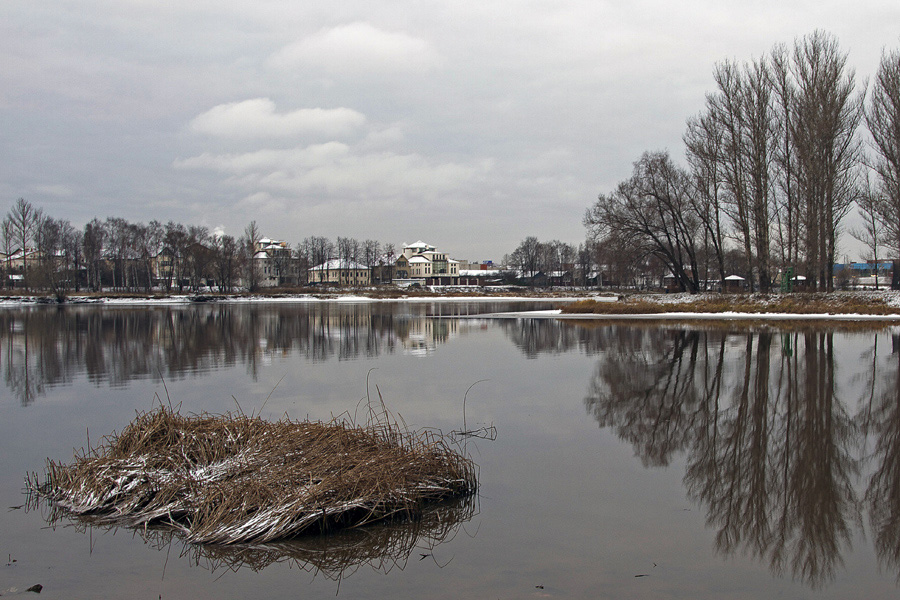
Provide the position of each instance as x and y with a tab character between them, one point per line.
333	168
257	118
358	48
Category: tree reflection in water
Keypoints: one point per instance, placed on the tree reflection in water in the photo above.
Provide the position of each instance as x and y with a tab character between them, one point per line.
48	346
773	451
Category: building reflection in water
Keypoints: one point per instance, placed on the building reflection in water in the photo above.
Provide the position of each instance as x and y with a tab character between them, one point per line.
785	455
50	347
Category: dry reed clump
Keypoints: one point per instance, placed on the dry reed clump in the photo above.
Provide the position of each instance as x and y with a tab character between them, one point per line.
793	304
238	479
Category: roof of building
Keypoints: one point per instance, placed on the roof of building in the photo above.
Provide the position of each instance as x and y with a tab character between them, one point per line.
418	259
336	264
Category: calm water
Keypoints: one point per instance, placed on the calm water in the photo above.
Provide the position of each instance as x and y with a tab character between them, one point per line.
631	461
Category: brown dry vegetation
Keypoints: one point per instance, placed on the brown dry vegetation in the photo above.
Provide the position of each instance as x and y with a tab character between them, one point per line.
793	304
238	479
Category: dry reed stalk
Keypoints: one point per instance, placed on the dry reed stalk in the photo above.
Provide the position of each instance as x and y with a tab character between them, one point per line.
238	479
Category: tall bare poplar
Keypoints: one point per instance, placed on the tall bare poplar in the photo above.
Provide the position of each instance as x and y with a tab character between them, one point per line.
787	210
883	119
703	141
827	112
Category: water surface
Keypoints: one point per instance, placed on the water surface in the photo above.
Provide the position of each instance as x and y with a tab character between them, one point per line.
631	460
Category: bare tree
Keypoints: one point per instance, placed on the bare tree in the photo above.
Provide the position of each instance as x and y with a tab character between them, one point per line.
738	131
787	200
48	242
651	210
827	112
703	141
250	243
727	108
198	255
8	245
73	243
527	257
25	220
94	241
871	232
883	119
118	246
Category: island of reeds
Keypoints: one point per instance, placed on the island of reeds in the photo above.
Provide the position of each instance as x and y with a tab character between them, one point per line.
227	479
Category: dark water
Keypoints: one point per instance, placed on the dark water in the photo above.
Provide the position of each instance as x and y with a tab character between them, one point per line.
638	461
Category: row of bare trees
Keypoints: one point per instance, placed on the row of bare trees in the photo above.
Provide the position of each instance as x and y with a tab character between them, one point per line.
120	255
555	259
775	162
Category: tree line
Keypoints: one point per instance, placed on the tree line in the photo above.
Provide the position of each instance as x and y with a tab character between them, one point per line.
116	254
775	163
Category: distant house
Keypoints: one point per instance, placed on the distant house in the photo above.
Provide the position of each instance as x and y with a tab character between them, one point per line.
735	284
275	263
422	264
480	277
341	272
384	269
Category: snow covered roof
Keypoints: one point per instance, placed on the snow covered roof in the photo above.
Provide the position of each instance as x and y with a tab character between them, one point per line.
335	263
418	260
735	278
420	244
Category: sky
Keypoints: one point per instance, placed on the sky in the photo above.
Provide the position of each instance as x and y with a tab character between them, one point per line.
469	125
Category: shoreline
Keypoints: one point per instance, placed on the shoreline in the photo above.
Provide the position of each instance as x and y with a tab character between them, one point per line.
582	305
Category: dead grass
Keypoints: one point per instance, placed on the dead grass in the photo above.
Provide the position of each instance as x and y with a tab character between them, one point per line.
793	304
237	479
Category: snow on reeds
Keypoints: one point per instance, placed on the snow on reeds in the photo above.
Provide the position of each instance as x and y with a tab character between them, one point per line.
238	479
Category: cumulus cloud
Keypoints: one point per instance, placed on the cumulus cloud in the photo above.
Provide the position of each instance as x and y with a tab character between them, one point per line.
358	48
333	168
257	118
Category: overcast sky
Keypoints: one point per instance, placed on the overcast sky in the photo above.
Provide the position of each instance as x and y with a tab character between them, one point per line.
469	125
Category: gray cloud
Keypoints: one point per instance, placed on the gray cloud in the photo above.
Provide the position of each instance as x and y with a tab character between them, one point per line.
468	124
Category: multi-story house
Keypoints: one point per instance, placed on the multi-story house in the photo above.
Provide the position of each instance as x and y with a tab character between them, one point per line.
274	263
422	263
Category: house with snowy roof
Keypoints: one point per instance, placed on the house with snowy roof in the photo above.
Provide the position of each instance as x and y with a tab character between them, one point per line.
422	264
274	262
340	272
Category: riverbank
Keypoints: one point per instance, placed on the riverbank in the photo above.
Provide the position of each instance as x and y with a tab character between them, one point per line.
575	303
799	305
316	294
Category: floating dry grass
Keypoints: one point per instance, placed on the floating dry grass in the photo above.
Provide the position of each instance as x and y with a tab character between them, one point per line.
226	479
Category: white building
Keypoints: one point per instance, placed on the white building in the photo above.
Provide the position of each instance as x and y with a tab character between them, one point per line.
341	272
421	263
275	264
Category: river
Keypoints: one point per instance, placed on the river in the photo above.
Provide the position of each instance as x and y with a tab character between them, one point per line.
639	460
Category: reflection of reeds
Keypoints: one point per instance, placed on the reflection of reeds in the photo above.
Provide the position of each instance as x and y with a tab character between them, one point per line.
237	479
337	555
